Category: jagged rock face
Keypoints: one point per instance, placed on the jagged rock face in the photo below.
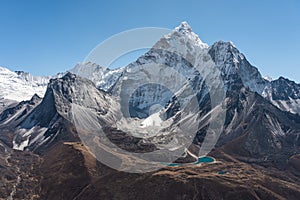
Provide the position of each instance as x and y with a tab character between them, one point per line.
159	76
152	82
72	89
235	69
285	89
141	106
32	120
284	94
38	123
15	114
6	103
257	131
46	122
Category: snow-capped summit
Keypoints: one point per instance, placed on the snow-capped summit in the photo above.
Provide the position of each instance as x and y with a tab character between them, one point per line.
184	29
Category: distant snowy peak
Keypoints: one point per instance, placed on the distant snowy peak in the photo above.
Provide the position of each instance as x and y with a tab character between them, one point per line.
19	86
88	70
103	78
268	78
4	70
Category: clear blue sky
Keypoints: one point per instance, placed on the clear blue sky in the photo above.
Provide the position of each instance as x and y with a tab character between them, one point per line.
46	37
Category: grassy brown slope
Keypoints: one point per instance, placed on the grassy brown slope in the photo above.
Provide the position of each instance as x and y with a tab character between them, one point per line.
70	172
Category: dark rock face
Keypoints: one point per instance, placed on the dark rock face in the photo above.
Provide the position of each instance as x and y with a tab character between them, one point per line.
285	89
258	132
235	68
38	115
237	72
25	107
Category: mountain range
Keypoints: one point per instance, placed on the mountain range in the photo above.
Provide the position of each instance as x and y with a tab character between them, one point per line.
47	122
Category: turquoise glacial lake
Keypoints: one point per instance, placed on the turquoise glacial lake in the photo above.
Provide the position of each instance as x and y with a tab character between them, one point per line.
205	159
